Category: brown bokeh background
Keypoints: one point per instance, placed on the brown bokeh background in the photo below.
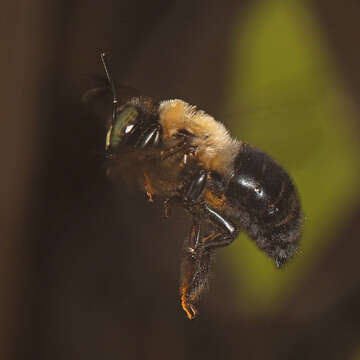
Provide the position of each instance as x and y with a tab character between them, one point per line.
89	272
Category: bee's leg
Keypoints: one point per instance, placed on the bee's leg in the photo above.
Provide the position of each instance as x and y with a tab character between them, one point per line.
195	187
228	231
148	188
167	205
182	146
167	208
191	194
198	256
141	138
194	272
149	137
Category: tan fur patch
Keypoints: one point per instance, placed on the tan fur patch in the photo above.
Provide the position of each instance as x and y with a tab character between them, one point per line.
215	148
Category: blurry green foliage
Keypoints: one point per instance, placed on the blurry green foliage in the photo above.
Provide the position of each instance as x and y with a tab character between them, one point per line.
280	68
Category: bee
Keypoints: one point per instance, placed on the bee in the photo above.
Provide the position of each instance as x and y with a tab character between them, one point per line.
182	155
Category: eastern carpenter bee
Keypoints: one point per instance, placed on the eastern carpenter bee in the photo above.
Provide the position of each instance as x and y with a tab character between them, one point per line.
184	156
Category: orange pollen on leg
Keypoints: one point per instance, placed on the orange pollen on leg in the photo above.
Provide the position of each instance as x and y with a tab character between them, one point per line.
186	306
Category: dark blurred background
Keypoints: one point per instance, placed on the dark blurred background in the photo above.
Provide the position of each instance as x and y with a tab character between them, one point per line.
90	270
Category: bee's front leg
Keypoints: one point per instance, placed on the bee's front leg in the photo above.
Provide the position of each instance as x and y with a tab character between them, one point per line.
168	203
140	137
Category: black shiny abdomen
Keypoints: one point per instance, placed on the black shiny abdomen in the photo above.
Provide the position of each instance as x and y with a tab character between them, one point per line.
265	203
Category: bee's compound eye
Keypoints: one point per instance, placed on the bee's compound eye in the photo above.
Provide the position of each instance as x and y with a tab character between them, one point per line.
124	124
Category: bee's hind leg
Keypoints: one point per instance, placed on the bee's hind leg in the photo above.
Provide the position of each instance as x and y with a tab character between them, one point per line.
198	256
195	268
224	230
199	250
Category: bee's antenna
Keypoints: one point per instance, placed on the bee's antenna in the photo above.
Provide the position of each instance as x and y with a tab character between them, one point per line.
111	83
